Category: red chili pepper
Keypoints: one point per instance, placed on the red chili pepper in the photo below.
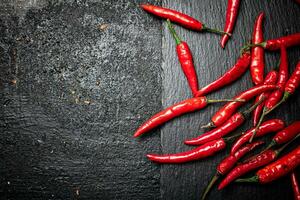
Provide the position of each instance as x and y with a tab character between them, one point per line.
186	60
269	126
179	18
235	72
186	106
257	53
231	124
258	161
295	185
231	15
275	44
228	163
286	134
254	162
277	169
276	95
228	109
203	151
291	85
271	78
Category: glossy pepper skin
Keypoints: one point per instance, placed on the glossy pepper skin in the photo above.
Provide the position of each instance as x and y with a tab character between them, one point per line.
260	160
294	80
200	152
231	16
174	16
228	109
290	87
257	53
279	168
186	60
283	75
228	163
286	41
287	134
266	127
231	124
235	72
271	78
179	18
295	186
186	106
292	84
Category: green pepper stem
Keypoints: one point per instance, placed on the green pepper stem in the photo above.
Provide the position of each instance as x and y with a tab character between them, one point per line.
227	139
252	179
258	124
284	98
173	32
209	186
247	112
278	151
224	100
204	28
247	47
272	143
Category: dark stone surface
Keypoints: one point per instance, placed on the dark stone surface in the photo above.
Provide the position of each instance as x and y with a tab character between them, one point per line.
187	181
79	76
75	82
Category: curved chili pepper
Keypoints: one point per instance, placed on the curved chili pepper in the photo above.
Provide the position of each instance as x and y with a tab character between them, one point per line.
203	151
228	109
283	75
231	15
179	18
231	124
271	78
276	95
186	60
228	163
254	162
235	72
257	53
291	85
186	106
275	44
269	126
295	185
286	134
277	169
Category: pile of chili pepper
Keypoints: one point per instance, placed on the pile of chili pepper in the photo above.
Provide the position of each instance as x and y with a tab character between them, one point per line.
268	92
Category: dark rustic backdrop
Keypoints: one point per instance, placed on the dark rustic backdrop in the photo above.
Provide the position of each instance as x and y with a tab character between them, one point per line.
77	77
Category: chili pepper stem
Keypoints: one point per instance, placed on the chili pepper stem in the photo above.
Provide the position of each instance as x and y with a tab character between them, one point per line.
204	28
209	125
284	98
209	186
224	100
248	46
230	138
287	144
173	32
247	112
272	143
258	124
252	179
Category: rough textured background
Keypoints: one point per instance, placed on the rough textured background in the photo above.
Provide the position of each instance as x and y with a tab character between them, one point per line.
79	76
75	82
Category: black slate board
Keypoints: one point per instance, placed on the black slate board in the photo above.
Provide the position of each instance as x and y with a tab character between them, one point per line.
78	77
